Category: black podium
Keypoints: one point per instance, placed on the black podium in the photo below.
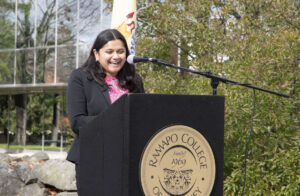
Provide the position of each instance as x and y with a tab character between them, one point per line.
111	146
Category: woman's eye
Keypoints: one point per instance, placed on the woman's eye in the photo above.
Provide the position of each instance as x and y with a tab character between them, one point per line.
118	51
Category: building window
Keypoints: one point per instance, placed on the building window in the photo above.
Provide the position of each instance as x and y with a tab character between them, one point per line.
42	41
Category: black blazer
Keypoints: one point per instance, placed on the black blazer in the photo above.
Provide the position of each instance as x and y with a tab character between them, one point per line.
86	99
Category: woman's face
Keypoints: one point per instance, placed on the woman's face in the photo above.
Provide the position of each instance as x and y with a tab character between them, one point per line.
111	56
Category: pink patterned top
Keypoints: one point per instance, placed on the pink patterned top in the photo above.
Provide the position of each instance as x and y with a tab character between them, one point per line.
114	91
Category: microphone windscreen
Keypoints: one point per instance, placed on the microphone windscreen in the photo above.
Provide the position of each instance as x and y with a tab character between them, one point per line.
130	59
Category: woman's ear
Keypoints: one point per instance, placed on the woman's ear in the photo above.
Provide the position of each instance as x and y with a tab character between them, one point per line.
96	54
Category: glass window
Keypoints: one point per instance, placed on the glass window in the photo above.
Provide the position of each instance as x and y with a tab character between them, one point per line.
6	67
66	62
24	69
42	41
45	22
7	23
45	65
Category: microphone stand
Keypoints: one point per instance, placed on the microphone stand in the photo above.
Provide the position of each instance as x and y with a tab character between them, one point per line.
215	80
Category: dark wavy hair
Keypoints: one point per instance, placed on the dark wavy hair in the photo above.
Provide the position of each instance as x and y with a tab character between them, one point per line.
126	76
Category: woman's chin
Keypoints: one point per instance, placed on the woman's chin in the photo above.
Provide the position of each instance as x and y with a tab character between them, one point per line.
113	72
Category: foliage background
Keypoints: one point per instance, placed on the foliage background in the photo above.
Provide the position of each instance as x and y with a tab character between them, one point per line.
262	42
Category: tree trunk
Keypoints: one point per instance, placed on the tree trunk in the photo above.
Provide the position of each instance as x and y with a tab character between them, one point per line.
21	116
55	122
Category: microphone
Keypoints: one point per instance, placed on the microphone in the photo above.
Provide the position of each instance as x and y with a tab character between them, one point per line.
135	59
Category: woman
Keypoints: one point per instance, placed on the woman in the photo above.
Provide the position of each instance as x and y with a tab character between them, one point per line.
103	78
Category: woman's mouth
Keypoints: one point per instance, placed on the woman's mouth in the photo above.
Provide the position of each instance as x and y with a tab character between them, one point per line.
115	63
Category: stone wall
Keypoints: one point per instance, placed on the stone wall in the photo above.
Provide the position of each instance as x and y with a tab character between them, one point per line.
36	175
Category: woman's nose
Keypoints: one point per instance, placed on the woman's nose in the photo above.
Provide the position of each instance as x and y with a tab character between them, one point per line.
115	55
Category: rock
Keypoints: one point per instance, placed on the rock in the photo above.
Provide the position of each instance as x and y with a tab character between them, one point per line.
39	156
23	170
9	181
30	176
6	171
4	165
26	158
4	157
57	173
10	185
32	190
16	159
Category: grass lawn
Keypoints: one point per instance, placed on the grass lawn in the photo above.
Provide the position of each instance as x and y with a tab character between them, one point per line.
33	147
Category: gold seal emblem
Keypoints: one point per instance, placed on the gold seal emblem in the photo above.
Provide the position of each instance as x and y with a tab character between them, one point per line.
177	161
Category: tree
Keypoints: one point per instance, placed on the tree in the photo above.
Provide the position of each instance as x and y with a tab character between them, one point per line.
254	42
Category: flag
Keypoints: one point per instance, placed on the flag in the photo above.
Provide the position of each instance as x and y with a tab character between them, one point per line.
124	20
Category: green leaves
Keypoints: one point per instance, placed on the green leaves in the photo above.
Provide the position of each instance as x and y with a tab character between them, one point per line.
260	41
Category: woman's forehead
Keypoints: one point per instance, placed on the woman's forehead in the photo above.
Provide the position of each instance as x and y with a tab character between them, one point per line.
113	44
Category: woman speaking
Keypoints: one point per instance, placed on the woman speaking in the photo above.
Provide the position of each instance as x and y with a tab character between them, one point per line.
102	79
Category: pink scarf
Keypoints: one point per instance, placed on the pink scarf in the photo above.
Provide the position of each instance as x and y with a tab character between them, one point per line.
114	91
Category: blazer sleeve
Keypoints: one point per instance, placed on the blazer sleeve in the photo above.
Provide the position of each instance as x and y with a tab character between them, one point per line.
76	101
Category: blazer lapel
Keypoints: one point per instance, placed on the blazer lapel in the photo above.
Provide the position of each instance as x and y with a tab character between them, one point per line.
104	92
106	96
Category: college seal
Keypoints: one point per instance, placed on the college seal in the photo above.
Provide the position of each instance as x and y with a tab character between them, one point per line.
177	161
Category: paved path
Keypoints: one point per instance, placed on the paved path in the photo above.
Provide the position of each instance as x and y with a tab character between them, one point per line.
51	154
